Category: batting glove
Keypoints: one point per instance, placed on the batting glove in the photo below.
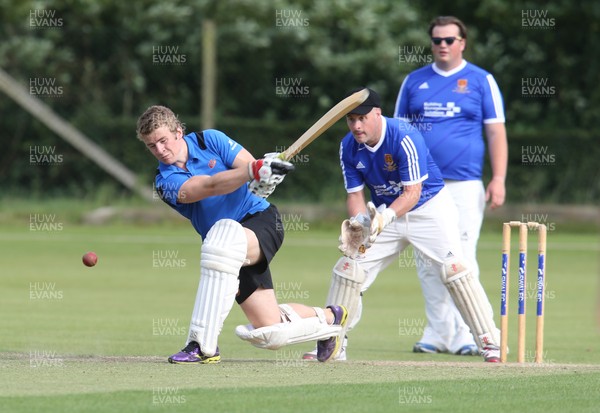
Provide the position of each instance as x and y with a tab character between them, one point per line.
267	173
264	169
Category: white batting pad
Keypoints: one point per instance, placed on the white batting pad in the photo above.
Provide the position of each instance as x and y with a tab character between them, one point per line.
223	252
346	284
292	330
471	301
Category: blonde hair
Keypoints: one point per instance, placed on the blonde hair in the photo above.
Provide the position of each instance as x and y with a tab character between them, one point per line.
156	116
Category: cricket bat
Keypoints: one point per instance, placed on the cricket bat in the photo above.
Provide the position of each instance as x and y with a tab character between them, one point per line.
327	120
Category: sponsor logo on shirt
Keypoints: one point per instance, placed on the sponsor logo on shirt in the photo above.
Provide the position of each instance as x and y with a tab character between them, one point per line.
440	110
392	188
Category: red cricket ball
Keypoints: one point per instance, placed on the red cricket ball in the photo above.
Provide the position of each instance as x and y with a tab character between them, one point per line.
90	259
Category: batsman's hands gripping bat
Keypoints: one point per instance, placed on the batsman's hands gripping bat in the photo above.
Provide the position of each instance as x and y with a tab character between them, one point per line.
267	173
354	238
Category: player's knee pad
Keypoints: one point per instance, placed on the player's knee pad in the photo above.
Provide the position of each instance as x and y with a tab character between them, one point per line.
347	280
225	247
292	330
471	301
223	253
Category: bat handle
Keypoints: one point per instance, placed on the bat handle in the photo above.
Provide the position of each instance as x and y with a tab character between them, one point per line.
281	155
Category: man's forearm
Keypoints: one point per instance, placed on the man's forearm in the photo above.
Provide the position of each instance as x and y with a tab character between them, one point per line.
498	150
405	202
204	186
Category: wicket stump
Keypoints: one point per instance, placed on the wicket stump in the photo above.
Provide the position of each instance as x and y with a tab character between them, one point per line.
522	289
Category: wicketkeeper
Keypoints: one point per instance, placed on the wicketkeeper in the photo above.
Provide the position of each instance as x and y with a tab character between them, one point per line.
221	188
409	205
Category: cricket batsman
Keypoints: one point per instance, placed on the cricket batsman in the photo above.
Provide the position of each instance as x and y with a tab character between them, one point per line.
221	188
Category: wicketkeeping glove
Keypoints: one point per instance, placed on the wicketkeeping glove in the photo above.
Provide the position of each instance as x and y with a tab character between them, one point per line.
380	217
355	235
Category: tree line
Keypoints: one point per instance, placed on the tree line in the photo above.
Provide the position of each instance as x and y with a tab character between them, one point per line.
280	65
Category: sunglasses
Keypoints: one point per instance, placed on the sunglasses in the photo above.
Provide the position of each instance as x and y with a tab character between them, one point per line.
449	40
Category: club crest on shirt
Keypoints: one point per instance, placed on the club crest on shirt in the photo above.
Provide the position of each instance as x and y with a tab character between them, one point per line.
389	164
461	86
212	163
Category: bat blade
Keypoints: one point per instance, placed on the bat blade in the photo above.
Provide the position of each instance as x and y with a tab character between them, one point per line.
327	120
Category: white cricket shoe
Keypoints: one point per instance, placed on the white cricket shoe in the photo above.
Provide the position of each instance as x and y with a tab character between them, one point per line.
491	354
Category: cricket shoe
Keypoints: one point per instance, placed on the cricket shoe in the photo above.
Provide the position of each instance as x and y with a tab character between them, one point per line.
192	354
491	353
340	356
421	347
327	349
468	350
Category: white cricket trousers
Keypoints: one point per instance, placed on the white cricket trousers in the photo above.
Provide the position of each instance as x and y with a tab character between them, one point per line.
469	199
432	230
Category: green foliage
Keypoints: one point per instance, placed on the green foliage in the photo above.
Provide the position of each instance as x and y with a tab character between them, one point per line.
113	59
553	167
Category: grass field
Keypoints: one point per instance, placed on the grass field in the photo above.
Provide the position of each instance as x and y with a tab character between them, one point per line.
96	339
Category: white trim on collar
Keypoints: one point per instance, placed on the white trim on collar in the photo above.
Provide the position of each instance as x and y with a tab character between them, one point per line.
381	138
449	72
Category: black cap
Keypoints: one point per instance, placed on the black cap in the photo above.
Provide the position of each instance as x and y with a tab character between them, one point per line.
373	101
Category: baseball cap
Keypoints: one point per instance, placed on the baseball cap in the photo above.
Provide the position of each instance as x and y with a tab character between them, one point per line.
373	101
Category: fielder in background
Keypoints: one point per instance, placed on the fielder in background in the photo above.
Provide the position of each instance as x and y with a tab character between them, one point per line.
452	102
409	205
221	188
